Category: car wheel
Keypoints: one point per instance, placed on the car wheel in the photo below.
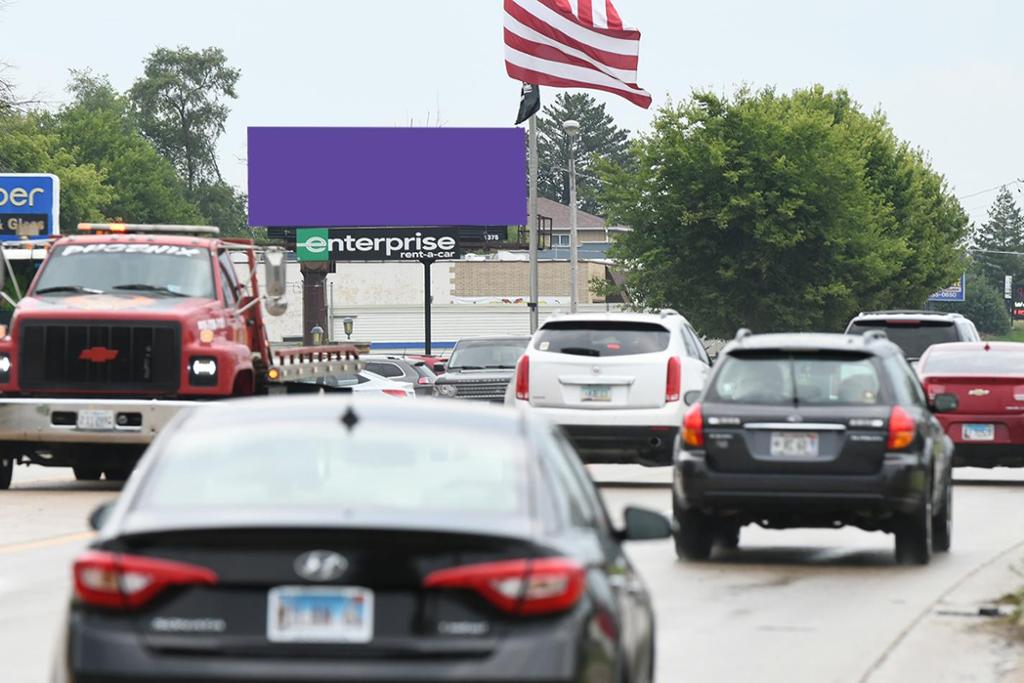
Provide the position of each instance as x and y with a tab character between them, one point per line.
942	522
87	472
6	473
694	534
728	535
914	534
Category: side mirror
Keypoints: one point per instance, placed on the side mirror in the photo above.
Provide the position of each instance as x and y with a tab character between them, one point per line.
439	368
98	516
691	397
276	285
945	403
645	525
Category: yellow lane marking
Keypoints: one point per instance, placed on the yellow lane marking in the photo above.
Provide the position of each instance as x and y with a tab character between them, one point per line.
45	542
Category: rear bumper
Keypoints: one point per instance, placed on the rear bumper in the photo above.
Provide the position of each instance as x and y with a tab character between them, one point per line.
44	422
651	446
897	487
988	455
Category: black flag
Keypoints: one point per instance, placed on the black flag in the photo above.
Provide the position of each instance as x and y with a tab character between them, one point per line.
529	102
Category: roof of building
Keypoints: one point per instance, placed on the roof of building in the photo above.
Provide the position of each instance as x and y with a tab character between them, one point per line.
559	215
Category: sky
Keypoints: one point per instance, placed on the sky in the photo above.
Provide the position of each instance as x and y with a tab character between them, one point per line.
949	75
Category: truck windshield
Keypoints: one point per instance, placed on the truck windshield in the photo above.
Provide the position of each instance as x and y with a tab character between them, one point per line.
107	268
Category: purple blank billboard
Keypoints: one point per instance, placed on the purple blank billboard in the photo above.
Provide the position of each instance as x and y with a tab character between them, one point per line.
327	177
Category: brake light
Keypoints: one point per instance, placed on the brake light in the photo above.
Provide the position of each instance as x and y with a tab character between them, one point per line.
126	582
674	380
933	390
523	378
693	427
400	393
423	380
523	587
1018	393
901	429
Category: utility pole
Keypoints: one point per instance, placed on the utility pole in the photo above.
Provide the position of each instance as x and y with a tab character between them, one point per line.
572	129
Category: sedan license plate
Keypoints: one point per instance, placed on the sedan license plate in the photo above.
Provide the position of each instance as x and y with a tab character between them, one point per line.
979	432
794	445
95	420
599	393
319	614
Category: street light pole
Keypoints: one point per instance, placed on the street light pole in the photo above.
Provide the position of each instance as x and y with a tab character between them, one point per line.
572	129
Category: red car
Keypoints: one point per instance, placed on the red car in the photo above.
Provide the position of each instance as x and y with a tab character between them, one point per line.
988	380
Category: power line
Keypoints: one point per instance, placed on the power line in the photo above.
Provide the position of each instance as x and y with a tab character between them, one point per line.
1018	181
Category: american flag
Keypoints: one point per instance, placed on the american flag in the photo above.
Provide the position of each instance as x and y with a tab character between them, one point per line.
573	44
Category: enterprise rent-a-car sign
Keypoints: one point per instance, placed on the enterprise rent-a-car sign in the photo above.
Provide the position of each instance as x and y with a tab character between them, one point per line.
376	244
29	205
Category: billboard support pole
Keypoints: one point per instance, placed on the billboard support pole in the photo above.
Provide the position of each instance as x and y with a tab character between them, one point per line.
534	227
314	299
427	300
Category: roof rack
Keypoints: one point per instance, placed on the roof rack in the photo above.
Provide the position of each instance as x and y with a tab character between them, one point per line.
142	229
875	335
742	334
666	312
907	311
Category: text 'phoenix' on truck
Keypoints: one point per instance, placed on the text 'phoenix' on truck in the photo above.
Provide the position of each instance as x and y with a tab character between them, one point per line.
125	325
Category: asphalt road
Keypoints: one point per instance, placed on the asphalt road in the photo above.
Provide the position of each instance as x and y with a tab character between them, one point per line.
787	606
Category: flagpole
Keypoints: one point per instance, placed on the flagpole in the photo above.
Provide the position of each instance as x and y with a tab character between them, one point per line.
534	228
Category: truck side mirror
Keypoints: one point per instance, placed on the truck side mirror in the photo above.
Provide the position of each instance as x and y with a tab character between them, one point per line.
276	267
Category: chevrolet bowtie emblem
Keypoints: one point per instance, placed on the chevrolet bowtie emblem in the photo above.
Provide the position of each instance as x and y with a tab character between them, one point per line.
978	392
98	354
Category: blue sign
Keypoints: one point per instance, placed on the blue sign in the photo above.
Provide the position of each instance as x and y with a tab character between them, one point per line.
956	292
29	206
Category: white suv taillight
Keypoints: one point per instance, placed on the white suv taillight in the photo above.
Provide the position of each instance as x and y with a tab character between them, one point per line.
674	380
523	378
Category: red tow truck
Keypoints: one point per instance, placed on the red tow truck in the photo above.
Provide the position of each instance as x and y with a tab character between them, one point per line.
122	327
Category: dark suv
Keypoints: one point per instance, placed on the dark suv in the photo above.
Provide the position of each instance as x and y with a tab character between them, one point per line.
813	430
915	331
480	368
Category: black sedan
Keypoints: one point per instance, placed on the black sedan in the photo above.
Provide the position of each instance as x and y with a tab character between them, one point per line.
313	539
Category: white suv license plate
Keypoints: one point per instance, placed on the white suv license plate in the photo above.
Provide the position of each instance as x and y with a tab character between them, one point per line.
595	393
319	614
979	432
95	420
794	445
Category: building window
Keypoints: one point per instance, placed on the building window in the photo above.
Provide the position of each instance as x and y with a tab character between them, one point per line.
560	239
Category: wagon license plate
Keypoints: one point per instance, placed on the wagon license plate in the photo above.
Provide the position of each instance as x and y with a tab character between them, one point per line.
794	445
979	432
95	420
319	614
596	393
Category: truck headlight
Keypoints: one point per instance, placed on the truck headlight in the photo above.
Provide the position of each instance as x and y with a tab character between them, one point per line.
202	371
445	390
5	368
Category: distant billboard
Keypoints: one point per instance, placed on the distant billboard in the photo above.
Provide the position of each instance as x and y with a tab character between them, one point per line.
955	292
362	177
29	206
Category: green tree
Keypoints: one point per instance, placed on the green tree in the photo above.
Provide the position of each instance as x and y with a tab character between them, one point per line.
27	146
180	106
780	212
225	207
99	125
599	138
1003	231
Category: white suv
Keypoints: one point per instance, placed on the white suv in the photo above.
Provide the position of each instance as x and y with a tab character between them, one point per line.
613	381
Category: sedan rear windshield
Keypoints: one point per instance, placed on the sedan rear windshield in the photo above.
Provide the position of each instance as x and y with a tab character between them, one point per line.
418	471
913	336
795	379
602	338
992	363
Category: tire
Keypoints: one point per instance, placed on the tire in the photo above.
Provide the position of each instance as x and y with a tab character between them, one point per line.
728	535
87	472
6	473
914	534
942	522
694	534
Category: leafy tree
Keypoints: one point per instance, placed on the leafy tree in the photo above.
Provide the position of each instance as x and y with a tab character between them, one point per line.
26	146
98	123
1003	231
780	212
179	104
225	207
599	138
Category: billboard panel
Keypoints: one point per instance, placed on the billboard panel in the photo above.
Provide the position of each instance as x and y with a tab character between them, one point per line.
355	177
29	206
955	292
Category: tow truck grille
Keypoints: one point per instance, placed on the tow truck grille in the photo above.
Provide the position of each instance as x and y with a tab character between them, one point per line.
85	355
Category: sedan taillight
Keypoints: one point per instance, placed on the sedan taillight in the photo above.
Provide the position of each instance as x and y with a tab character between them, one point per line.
674	380
544	585
523	378
902	429
127	582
